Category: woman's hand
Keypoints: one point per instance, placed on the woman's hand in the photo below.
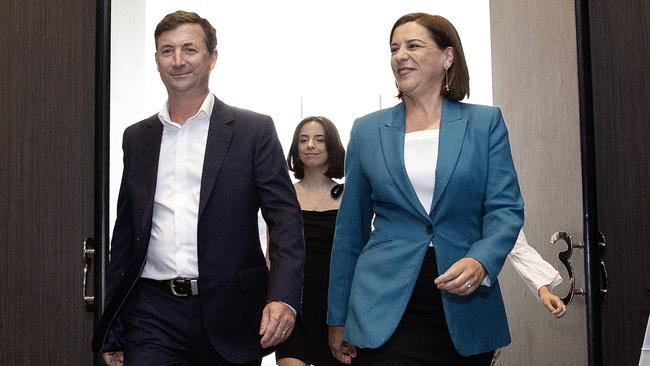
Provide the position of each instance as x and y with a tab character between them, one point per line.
341	350
553	303
462	278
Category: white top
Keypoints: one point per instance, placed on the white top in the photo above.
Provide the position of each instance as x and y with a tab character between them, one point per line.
533	269
173	246
420	160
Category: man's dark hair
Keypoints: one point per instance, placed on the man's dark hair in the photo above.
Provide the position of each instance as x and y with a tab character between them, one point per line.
173	20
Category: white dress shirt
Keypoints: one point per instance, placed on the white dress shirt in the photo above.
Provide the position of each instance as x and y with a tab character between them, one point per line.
173	245
533	269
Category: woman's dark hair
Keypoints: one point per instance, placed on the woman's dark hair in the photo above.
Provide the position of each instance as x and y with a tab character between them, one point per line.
335	151
445	35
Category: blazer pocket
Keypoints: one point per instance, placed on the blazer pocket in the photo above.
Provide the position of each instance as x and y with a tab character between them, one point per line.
253	277
375	245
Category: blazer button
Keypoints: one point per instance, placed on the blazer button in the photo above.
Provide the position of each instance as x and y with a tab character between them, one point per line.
429	229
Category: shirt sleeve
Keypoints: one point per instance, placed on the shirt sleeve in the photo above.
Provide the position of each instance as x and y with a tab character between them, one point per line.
531	267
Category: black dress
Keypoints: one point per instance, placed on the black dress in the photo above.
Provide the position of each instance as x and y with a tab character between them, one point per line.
308	341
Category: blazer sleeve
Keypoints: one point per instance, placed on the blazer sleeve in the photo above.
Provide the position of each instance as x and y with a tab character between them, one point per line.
352	231
120	253
281	211
123	231
503	206
531	267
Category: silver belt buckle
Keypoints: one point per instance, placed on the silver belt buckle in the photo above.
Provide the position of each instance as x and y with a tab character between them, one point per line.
171	286
194	286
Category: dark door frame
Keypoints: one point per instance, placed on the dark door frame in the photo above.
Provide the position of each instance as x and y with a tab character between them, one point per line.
591	235
102	151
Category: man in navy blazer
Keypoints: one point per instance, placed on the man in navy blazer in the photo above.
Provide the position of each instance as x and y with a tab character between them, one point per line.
187	282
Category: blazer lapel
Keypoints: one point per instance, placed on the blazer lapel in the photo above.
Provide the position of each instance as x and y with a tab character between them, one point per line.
151	152
452	134
219	137
392	146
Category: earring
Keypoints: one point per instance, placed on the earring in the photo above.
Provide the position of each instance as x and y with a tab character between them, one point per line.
445	90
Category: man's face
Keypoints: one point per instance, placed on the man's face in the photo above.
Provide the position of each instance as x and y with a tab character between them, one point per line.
183	60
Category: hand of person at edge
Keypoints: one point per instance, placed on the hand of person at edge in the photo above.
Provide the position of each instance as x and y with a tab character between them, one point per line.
277	323
113	358
553	303
462	278
343	351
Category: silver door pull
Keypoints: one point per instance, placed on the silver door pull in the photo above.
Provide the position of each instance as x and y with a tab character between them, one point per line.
88	254
602	268
565	258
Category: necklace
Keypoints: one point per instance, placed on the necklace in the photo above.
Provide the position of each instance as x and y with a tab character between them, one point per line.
314	205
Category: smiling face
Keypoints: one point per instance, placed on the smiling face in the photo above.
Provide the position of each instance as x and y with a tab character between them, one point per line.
312	146
183	60
417	61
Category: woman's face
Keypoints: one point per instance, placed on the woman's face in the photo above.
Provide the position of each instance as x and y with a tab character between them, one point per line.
418	63
312	146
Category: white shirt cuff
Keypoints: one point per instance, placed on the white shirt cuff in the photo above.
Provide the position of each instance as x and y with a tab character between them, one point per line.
290	307
486	281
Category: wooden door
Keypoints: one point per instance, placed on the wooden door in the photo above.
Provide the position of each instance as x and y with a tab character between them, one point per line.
620	64
47	142
535	81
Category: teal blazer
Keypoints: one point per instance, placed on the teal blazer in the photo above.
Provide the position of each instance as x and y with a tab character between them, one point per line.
477	211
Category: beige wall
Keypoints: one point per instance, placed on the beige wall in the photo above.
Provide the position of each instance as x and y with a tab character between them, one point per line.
534	67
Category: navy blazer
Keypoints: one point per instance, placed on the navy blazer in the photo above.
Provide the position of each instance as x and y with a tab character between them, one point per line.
243	170
476	211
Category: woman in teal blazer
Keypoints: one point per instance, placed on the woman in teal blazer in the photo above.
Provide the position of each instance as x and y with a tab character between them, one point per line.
410	284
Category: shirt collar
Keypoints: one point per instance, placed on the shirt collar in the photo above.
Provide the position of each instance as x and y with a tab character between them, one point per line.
205	111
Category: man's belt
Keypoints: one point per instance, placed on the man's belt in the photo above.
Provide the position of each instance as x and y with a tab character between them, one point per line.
180	287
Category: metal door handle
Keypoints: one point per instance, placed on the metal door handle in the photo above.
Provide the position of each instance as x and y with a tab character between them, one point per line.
565	258
88	254
601	266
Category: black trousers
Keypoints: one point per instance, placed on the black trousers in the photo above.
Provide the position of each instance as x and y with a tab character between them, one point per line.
164	330
422	337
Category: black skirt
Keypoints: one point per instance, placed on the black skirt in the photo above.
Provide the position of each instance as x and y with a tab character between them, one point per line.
422	336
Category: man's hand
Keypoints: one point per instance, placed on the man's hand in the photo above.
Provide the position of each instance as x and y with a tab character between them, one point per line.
277	323
341	350
462	278
113	358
